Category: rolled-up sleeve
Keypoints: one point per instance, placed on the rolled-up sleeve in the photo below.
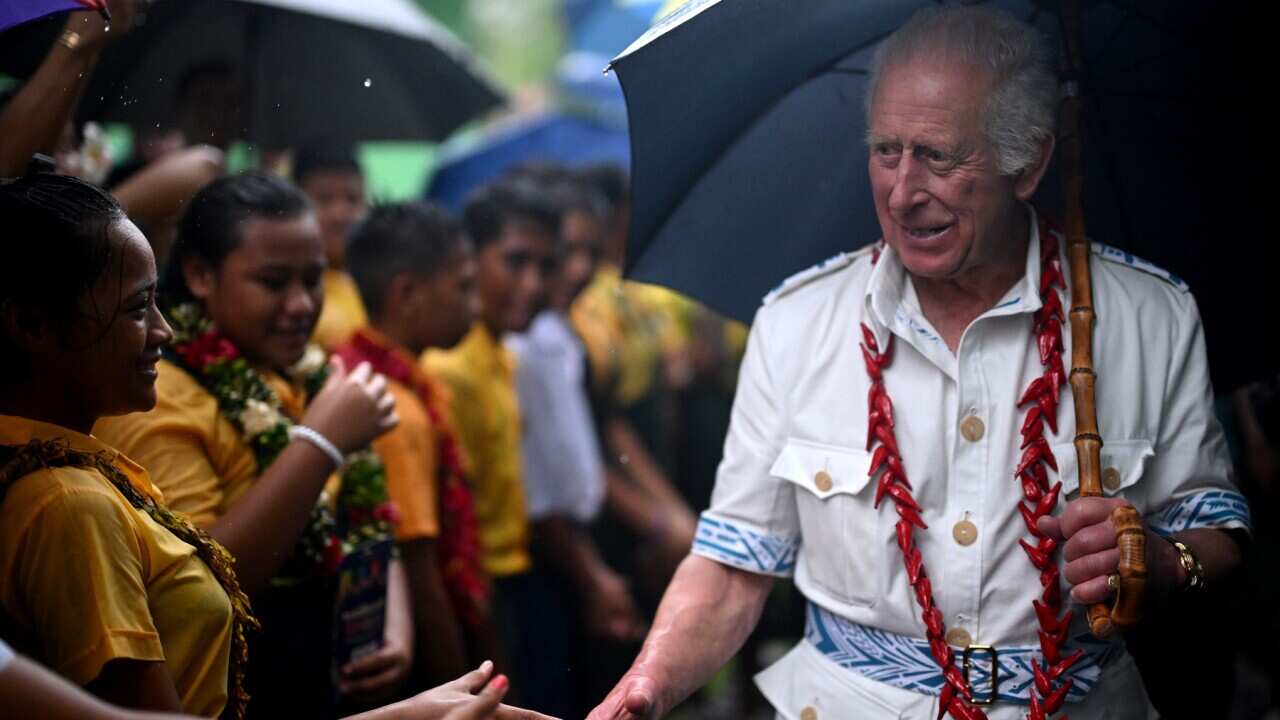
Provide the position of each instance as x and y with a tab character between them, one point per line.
752	523
1189	482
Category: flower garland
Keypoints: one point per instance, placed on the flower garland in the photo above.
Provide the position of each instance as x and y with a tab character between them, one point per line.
459	541
244	398
1050	689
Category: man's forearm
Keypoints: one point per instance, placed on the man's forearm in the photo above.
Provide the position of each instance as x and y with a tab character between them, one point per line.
706	615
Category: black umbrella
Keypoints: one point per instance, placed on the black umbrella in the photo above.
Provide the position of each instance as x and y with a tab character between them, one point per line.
368	70
748	159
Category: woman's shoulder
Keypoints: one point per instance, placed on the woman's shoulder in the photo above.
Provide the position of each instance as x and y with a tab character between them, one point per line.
80	493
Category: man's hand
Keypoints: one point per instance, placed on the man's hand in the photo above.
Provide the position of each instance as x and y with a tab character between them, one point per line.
633	698
1092	554
93	29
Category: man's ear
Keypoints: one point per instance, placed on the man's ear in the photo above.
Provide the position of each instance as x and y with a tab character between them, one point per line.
200	276
28	328
1025	184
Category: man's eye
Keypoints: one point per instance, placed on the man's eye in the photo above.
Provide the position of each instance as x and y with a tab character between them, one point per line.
887	149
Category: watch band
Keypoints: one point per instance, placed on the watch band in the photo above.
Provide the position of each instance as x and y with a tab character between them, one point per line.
1190	564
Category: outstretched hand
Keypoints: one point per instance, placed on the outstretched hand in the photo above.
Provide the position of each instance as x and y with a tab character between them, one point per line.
454	700
633	698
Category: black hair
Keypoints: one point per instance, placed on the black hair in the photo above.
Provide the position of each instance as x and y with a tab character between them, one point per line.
324	156
393	239
492	207
54	246
610	181
210	228
573	194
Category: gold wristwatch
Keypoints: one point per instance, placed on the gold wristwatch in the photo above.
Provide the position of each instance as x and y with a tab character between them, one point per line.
1192	566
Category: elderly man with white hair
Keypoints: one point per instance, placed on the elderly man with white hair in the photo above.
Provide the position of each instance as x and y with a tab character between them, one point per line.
901	436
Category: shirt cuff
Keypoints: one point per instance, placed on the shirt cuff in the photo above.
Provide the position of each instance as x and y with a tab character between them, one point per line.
1208	509
734	545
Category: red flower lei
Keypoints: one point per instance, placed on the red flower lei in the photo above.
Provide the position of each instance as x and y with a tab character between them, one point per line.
1042	395
459	542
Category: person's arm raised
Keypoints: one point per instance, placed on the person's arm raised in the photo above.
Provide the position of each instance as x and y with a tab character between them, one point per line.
261	528
705	616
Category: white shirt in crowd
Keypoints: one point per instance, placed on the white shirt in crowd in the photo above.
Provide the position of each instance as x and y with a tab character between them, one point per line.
801	410
6	655
563	467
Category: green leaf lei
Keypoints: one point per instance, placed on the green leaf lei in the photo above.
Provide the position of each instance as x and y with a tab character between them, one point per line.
365	512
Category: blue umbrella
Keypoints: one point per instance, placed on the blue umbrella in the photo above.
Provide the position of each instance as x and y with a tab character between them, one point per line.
16	12
558	138
608	26
748	159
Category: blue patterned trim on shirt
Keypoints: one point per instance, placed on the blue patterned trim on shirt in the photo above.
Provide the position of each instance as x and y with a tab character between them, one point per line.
906	662
738	547
1208	509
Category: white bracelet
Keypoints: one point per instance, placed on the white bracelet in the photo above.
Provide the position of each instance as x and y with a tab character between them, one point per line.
320	441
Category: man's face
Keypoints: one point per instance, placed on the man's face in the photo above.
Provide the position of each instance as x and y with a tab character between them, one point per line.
942	203
446	301
512	274
581	236
338	198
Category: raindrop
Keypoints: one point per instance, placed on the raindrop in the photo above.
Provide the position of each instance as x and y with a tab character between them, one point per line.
368	82
107	28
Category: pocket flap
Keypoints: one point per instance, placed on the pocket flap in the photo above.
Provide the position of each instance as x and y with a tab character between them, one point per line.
1122	465
822	469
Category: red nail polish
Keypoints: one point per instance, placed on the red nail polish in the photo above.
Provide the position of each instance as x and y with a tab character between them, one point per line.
499	683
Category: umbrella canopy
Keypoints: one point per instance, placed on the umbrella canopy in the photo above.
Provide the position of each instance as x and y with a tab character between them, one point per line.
16	12
559	138
747	122
308	69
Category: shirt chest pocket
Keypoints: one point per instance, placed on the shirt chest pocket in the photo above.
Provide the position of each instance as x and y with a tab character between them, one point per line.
1123	462
842	543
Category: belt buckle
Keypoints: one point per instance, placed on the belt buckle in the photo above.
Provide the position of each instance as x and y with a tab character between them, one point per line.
995	673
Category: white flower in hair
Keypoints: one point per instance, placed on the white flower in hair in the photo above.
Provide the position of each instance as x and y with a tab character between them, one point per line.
258	417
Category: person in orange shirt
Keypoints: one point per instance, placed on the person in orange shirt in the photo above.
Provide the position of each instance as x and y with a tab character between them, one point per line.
416	273
331	177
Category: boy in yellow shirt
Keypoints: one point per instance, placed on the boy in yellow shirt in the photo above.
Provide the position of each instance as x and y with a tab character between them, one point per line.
514	229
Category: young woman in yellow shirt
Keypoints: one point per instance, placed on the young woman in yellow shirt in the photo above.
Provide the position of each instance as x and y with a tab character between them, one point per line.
251	442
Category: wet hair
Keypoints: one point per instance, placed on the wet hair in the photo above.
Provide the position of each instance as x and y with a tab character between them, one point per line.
492	207
415	238
211	227
610	181
1021	109
324	156
54	247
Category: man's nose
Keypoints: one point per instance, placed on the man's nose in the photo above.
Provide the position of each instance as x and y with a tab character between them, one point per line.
908	184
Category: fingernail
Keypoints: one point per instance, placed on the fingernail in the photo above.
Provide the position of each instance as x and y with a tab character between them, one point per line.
486	666
499	683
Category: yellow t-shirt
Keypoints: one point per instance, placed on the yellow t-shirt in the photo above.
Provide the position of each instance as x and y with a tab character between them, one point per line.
480	375
199	460
343	312
90	579
622	341
409	454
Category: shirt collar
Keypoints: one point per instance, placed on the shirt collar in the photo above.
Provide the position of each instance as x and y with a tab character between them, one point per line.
20	431
889	288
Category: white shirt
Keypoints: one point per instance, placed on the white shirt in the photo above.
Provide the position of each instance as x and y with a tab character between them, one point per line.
563	467
801	408
6	655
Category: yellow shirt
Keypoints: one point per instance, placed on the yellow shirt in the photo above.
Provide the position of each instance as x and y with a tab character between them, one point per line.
90	579
343	311
622	340
199	460
480	375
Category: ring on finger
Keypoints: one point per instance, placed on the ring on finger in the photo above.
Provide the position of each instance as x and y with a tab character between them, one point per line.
1113	582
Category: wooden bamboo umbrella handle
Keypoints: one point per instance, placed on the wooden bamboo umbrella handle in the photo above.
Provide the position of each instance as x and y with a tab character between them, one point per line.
1126	608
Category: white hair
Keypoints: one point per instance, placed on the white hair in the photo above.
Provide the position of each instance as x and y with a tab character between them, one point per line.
1021	110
